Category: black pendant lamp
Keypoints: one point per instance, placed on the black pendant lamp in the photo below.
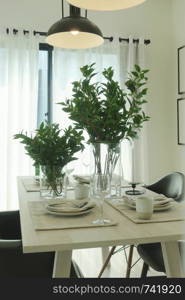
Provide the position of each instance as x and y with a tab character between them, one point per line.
105	4
74	32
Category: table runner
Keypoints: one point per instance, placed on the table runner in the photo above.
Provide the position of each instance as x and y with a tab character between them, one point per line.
175	213
42	220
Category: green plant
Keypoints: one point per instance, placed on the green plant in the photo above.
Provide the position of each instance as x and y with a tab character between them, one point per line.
106	111
52	148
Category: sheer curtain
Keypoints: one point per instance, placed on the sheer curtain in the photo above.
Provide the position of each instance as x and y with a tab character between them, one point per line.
122	57
18	109
134	155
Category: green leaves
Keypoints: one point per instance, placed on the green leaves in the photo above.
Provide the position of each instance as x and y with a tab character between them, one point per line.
107	112
52	147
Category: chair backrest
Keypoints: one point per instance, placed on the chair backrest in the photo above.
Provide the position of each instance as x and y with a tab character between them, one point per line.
171	185
15	263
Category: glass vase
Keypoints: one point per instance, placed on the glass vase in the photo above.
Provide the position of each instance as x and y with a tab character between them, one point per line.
101	189
51	182
106	161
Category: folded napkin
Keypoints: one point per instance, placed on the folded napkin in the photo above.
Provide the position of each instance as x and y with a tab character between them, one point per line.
82	179
70	206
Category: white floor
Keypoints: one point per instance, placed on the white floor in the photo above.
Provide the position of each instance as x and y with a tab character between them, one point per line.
90	262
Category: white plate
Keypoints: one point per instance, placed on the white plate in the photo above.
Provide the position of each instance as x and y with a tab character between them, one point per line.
166	207
70	214
163	208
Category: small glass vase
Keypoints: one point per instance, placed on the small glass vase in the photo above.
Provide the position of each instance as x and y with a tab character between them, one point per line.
51	182
106	161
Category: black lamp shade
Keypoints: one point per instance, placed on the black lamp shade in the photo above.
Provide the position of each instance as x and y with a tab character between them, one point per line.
74	32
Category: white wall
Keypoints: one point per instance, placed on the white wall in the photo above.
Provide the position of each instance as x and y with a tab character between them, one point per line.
178	9
151	20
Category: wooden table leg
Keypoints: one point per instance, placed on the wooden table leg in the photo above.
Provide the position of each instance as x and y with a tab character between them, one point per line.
62	264
172	259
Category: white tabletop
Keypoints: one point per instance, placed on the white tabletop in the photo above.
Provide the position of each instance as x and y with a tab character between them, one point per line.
125	233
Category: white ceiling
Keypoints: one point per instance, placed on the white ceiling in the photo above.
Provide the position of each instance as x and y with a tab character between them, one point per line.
26	12
42	13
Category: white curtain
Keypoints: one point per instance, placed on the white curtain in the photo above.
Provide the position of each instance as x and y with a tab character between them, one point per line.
134	155
18	109
122	57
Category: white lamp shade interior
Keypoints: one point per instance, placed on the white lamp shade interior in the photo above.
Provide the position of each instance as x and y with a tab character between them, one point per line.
105	4
81	40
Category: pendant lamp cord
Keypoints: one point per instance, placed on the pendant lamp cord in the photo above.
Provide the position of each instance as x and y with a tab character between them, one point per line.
62	7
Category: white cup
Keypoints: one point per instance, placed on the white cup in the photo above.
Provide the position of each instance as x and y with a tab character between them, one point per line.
144	207
81	191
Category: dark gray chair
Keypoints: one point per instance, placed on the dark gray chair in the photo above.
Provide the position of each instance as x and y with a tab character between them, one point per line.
15	263
171	186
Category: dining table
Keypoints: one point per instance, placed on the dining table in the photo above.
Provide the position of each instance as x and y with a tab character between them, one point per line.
121	231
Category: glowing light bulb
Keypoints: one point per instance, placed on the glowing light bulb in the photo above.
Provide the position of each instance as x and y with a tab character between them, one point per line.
74	32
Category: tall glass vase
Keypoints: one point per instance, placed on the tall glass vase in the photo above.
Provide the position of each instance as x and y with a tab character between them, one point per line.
106	160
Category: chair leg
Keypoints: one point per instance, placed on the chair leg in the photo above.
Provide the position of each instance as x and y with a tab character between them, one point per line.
107	261
144	270
105	253
129	263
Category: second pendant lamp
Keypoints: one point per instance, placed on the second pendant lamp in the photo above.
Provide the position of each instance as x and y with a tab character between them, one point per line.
105	4
74	32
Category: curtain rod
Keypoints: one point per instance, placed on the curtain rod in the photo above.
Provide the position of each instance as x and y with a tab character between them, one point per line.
111	38
45	33
146	42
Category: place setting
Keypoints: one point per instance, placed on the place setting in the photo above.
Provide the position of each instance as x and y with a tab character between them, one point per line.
70	208
149	208
160	202
67	214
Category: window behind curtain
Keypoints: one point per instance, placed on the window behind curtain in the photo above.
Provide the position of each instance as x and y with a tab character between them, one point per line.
44	109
